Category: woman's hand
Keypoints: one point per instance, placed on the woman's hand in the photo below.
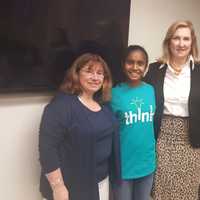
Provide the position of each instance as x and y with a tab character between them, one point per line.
58	187
60	192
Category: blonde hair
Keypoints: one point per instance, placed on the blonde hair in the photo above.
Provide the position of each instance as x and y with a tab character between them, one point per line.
170	32
71	83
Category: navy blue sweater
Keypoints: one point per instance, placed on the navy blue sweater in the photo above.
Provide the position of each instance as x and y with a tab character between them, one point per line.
63	144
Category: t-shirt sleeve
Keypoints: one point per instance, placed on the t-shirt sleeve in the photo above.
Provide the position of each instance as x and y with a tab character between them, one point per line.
53	128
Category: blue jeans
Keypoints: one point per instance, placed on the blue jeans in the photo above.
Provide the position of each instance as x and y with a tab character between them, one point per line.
134	189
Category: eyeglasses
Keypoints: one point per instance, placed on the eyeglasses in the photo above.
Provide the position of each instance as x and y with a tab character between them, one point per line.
90	73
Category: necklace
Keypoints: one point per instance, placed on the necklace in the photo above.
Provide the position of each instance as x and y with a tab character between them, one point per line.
177	69
81	100
93	106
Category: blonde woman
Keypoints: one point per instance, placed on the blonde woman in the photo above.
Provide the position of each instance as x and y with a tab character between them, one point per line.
176	79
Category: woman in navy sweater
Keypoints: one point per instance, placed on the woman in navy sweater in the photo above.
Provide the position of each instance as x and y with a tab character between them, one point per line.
78	138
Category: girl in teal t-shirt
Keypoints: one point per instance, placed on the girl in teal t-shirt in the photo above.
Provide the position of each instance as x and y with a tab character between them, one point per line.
133	102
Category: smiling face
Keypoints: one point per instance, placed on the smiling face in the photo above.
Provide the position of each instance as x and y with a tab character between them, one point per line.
91	77
180	43
134	67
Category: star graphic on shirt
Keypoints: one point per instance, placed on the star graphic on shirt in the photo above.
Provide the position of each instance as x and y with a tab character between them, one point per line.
137	102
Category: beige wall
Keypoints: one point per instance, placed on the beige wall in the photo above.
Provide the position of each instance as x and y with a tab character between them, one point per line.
19	167
20	114
149	20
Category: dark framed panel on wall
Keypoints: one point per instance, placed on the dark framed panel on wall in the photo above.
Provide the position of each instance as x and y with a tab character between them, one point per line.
40	39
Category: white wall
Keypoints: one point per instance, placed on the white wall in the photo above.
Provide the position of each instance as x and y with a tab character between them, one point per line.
150	19
19	167
20	114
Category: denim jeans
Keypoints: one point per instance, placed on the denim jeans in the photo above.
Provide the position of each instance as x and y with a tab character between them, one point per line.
134	189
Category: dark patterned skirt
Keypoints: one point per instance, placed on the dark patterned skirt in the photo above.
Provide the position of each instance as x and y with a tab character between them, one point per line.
178	168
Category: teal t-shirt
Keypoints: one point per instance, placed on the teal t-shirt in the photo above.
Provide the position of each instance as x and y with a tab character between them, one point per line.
135	108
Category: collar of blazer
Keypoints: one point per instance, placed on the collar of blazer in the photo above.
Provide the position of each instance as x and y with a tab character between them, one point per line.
190	60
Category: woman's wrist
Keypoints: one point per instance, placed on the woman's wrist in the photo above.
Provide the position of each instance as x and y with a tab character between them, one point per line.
55	179
60	192
56	183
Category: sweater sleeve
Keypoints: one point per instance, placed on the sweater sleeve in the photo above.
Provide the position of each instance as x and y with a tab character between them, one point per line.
114	161
53	128
115	101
